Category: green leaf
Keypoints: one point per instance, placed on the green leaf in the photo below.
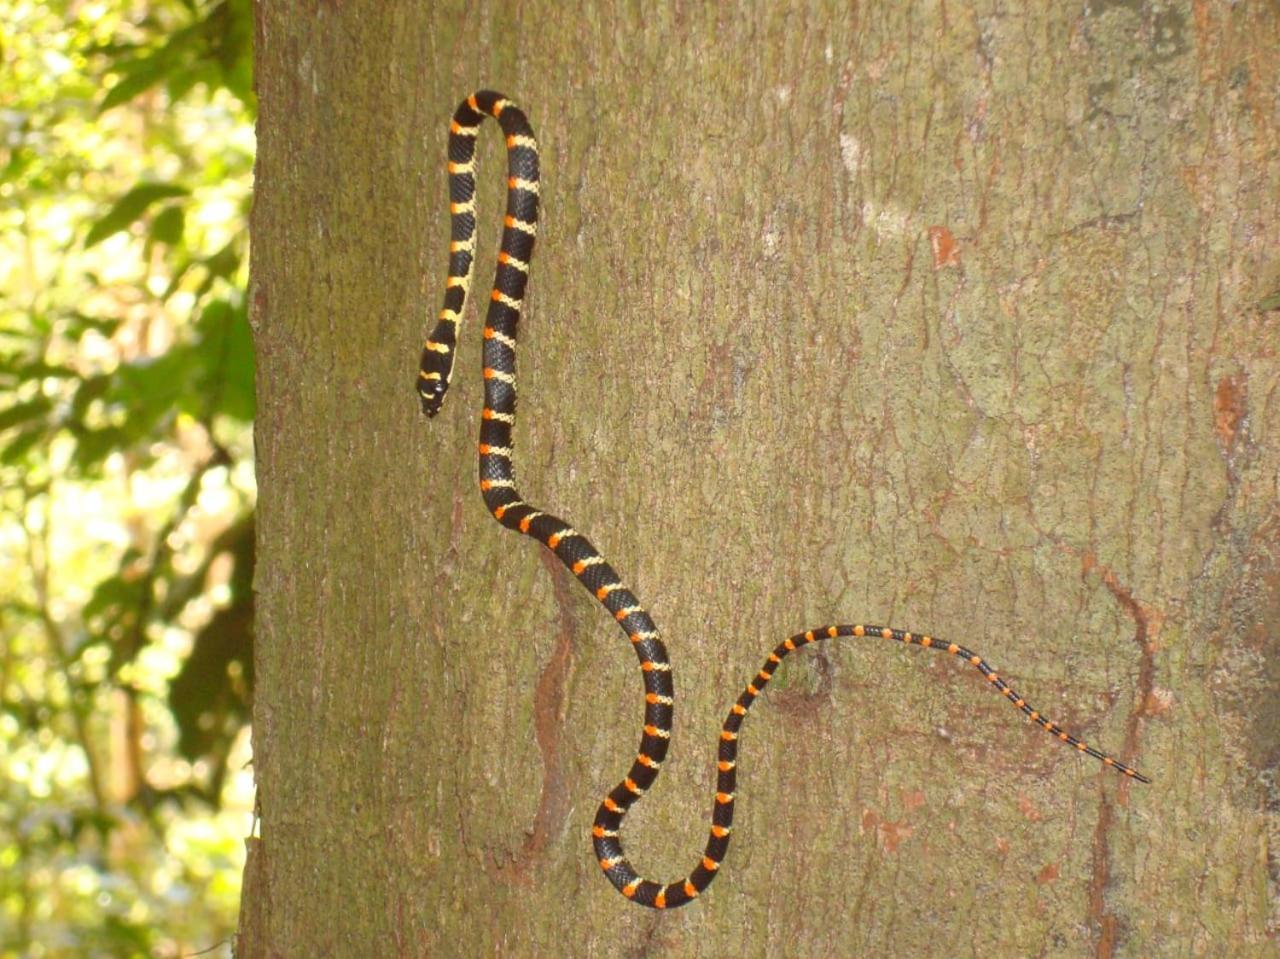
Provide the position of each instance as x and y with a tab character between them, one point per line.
1270	302
94	446
225	262
129	208
239	397
20	367
226	346
20	413
137	75
153	386
112	595
204	697
168	224
208	697
16	449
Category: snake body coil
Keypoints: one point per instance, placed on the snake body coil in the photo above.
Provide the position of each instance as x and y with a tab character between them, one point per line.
498	486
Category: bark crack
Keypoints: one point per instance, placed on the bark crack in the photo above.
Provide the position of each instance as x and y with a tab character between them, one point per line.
1147	622
548	714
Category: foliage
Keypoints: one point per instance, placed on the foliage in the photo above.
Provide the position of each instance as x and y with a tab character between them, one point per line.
126	489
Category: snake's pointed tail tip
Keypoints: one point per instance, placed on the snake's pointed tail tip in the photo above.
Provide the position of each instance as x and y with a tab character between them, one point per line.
1141	778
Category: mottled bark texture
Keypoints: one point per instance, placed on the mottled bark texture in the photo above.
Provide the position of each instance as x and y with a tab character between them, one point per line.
948	315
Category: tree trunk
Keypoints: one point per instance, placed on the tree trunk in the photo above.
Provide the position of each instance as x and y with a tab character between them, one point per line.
906	313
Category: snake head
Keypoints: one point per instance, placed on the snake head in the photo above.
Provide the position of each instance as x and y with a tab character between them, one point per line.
435	369
431	392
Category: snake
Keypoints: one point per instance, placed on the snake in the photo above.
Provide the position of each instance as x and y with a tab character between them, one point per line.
503	500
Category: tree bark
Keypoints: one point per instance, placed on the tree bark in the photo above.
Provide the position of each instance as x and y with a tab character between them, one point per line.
944	315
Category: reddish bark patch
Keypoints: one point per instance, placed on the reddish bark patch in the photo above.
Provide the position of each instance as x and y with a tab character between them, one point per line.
945	250
1029	809
1106	924
1229	402
889	833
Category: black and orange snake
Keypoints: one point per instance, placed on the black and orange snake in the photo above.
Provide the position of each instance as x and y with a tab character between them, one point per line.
498	486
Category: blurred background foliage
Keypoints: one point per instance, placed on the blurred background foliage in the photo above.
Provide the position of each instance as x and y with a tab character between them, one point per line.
126	475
